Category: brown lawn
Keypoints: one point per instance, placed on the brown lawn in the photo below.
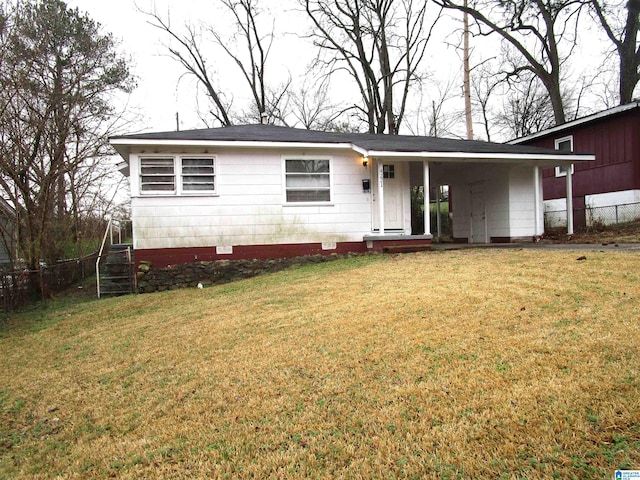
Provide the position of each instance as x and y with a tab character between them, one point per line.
622	233
467	364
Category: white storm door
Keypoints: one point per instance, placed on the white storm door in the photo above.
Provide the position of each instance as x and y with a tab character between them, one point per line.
393	198
478	214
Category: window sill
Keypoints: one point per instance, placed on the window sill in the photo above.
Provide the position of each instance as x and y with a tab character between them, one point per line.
309	204
198	194
176	195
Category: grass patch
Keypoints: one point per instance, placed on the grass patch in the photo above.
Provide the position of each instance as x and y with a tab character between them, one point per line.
468	364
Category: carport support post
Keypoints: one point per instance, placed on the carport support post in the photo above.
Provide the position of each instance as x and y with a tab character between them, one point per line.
438	219
569	201
427	212
536	197
381	196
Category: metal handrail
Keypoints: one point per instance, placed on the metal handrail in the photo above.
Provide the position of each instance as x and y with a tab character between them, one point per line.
104	241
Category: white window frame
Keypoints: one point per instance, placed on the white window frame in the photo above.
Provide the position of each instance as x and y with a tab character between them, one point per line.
182	175
157	192
178	175
560	171
284	180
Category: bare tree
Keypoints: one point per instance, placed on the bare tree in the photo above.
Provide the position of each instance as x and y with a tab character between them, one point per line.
95	189
433	114
311	108
621	22
189	54
485	85
380	44
512	106
543	32
275	111
248	49
525	109
57	74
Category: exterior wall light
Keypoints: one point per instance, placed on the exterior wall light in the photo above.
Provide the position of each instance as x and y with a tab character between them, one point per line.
365	161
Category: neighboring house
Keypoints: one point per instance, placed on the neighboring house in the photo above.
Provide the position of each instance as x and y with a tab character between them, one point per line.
261	191
612	180
7	234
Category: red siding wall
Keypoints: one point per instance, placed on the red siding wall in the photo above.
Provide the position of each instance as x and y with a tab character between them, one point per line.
615	141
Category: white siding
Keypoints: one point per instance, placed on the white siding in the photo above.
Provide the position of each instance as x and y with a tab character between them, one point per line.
249	208
509	200
494	179
497	196
522	214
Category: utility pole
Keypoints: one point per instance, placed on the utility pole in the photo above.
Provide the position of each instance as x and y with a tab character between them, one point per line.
467	75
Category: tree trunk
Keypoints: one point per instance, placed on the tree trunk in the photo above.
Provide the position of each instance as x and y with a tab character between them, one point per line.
558	107
628	54
552	85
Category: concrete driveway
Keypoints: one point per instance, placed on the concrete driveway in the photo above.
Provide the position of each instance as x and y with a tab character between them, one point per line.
597	247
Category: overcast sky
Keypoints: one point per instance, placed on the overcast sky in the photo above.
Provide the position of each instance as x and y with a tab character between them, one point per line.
155	99
163	89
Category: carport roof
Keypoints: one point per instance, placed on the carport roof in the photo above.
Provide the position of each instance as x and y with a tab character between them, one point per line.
365	143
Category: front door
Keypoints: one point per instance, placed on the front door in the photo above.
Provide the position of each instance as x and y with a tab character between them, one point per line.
393	204
478	214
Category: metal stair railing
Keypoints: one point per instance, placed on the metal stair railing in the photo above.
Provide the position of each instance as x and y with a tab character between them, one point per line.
100	254
117	271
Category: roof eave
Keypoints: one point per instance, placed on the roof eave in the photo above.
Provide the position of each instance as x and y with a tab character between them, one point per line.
563	158
131	142
575	123
123	147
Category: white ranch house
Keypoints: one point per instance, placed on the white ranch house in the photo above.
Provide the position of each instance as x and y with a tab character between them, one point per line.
262	191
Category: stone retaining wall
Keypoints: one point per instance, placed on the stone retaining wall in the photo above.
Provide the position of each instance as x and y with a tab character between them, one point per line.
221	271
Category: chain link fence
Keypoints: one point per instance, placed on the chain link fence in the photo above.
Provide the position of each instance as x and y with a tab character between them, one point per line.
613	215
20	287
595	216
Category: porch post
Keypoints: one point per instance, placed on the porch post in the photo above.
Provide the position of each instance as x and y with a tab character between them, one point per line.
438	219
569	201
380	196
536	199
427	212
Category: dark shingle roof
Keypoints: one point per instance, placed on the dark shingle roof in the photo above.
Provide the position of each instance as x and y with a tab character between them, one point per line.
367	141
